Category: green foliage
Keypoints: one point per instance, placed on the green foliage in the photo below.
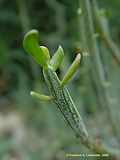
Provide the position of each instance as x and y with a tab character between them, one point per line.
57	58
59	94
58	23
30	43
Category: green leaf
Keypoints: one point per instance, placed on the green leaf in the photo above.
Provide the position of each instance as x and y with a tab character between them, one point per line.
71	71
41	96
57	58
30	44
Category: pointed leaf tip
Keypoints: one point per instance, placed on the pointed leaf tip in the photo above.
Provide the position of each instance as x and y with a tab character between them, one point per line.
57	58
78	57
72	70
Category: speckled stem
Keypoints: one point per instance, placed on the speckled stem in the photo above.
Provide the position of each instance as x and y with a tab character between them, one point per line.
65	104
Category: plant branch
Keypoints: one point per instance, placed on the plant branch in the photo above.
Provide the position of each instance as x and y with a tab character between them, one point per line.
104	34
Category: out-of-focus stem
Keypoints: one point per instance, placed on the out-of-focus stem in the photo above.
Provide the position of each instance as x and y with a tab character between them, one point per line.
100	149
96	61
104	33
59	16
26	25
25	21
115	51
85	48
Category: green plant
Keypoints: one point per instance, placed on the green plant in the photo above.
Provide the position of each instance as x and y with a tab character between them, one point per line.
90	16
59	93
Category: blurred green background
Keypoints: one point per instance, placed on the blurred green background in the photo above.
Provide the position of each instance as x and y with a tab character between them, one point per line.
35	130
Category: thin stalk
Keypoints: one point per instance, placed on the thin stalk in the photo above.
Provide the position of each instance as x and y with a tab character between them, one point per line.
26	25
96	61
104	34
59	10
101	149
23	15
91	73
115	51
